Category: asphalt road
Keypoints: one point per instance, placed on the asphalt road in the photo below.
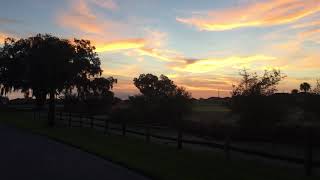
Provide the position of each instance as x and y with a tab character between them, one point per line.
28	156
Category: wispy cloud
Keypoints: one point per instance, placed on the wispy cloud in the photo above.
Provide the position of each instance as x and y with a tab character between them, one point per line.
306	24
160	54
81	18
213	64
107	4
310	33
8	21
266	13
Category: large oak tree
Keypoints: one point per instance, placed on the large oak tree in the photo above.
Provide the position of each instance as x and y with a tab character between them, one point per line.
47	65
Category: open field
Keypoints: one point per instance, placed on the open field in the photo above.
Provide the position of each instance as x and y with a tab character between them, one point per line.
155	160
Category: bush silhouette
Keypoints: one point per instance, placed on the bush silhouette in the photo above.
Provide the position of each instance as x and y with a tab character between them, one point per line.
161	100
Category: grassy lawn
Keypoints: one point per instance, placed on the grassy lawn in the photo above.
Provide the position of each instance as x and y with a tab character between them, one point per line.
210	108
158	161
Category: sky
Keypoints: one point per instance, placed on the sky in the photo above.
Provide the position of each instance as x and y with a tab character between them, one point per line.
201	45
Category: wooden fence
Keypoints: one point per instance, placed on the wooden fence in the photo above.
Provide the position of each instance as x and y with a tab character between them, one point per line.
83	120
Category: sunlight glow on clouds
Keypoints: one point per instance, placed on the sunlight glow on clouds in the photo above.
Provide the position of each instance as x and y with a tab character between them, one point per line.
131	38
120	45
2	37
212	64
266	13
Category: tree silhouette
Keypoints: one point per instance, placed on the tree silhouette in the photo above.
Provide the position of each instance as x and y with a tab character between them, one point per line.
47	65
151	86
305	87
316	89
252	84
253	98
161	97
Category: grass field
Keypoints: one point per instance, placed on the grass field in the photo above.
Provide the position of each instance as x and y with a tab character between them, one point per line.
209	113
210	107
155	160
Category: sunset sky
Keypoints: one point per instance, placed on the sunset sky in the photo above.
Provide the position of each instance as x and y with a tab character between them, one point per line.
200	44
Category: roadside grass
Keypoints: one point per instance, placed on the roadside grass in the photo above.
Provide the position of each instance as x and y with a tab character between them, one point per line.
155	160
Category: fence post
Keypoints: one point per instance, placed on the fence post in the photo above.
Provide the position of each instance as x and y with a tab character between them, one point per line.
39	115
227	147
80	117
34	117
106	126
60	114
179	139
273	138
308	153
91	121
69	123
147	133
124	128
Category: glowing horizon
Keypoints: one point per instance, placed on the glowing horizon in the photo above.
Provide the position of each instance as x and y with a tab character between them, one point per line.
201	46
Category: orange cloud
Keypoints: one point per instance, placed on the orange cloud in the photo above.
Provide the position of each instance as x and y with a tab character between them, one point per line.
310	61
151	45
207	85
120	45
124	74
266	13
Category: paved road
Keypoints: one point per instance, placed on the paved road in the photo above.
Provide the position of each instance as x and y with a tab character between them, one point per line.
27	156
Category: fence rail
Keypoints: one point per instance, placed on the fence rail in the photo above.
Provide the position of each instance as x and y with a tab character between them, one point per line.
84	120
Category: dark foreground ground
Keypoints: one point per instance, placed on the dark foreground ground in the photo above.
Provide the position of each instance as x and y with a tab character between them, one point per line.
27	156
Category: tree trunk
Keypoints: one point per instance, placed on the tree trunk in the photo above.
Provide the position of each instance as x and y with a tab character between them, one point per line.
179	131
51	109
